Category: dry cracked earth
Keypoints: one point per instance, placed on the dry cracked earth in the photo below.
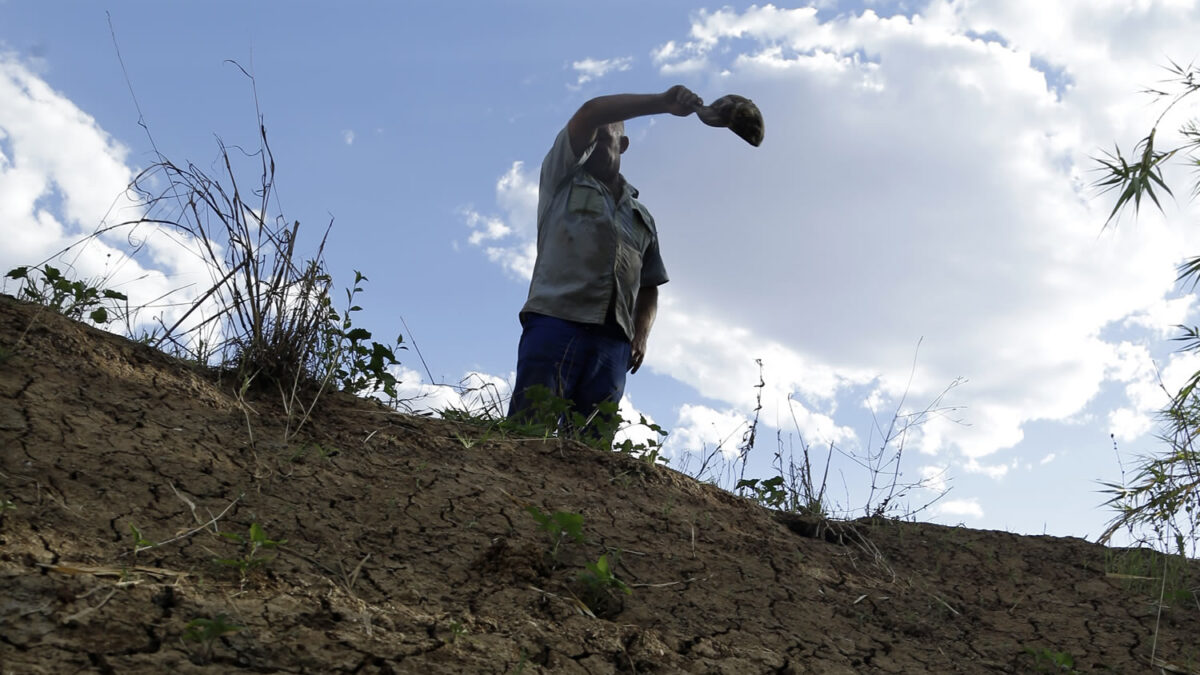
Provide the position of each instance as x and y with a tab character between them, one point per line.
130	482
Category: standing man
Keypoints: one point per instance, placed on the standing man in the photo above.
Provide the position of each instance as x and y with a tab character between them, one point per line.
594	291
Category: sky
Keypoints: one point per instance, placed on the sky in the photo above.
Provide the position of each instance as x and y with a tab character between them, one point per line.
918	231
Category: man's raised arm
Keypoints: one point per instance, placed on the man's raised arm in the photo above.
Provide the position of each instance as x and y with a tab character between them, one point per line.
678	100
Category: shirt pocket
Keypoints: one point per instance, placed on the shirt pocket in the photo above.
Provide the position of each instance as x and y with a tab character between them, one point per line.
585	199
643	227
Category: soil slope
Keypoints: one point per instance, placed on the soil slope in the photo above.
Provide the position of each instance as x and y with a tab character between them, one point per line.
409	548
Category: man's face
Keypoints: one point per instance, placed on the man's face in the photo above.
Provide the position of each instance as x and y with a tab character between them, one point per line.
605	160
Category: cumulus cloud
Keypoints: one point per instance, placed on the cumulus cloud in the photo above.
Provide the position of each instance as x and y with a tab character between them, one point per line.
590	69
917	180
703	429
348	136
958	508
509	240
63	179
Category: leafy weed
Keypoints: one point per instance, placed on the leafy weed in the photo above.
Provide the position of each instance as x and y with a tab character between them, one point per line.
207	632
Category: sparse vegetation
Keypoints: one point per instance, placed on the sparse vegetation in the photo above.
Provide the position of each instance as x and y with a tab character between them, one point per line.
46	285
1161	503
551	416
800	484
1165	577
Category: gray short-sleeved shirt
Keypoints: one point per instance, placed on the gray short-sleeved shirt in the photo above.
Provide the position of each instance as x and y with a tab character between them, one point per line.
593	250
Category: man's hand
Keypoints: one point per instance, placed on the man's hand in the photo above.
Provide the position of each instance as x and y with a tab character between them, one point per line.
681	101
645	309
637	353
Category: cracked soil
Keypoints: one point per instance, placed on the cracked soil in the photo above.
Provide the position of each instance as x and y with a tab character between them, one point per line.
409	549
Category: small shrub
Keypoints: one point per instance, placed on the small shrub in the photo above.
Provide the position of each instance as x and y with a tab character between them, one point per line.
358	365
600	587
253	546
560	525
46	285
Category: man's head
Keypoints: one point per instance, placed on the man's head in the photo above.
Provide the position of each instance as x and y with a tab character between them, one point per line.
605	160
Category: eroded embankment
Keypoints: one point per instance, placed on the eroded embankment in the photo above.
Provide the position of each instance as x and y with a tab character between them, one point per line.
409	549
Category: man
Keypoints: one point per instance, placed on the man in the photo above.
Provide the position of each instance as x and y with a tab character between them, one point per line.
594	291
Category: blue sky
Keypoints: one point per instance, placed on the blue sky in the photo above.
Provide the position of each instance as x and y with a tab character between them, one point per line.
924	180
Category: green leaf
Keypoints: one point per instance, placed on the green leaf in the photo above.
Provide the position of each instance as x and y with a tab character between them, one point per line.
99	315
571	524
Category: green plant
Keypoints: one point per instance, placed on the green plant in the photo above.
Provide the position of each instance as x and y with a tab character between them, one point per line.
7	505
560	525
768	492
457	630
1169	577
599	576
46	285
207	632
358	364
1047	660
600	586
650	450
1164	496
253	545
140	543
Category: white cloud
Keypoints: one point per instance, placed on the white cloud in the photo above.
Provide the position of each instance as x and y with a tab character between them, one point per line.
1162	317
63	178
509	240
939	192
934	478
702	429
994	471
634	430
958	508
590	69
476	393
348	137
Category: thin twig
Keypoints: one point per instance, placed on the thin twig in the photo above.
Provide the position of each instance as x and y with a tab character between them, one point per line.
213	521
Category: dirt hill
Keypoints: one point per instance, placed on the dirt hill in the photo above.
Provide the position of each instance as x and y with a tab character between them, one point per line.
144	512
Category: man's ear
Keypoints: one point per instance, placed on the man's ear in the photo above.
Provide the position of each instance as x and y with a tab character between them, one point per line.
624	144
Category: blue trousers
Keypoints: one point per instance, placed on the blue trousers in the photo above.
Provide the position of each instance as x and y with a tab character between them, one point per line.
583	363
